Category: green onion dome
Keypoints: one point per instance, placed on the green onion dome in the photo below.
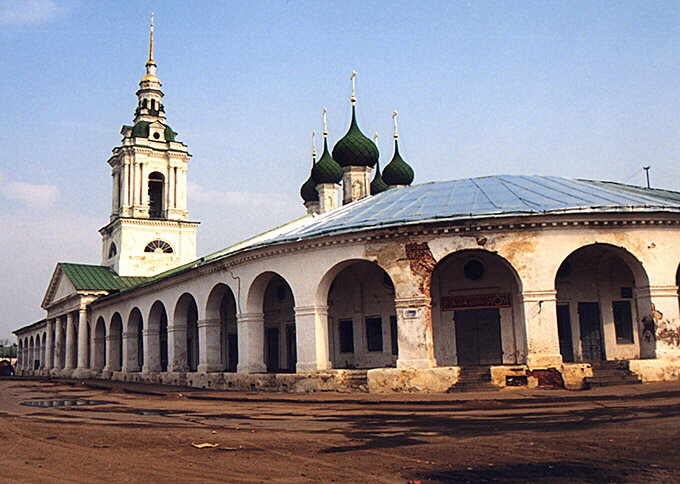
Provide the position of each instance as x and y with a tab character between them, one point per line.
141	130
378	185
308	191
397	171
355	149
326	170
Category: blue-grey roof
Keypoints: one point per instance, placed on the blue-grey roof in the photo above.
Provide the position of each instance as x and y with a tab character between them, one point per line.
466	199
489	196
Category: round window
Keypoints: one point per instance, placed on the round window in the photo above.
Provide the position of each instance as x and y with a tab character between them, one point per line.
156	135
473	270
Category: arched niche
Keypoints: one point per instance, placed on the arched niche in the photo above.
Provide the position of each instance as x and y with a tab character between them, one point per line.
186	312
158	339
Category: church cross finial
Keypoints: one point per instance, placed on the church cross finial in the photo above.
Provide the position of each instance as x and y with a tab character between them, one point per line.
395	133
313	147
353	77
151	32
324	116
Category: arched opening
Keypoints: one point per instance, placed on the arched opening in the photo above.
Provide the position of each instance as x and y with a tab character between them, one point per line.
222	306
51	348
61	353
112	250
280	341
43	350
362	321
20	354
31	351
134	343
477	316
155	191
99	344
186	312
158	339
598	288
116	343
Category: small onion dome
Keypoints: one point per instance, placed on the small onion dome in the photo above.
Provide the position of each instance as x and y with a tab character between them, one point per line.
397	171
355	149
378	185
326	170
308	191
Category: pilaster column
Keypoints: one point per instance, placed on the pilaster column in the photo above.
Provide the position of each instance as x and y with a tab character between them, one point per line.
115	201
49	351
177	346
311	331
209	343
152	351
126	186
659	321
83	342
130	352
70	342
112	353
414	332
59	345
250	330
540	320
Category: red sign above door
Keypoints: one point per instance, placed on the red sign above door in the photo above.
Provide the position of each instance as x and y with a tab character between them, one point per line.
477	301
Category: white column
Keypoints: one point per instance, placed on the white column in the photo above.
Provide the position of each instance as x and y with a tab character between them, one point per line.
177	346
115	199
166	193
130	350
126	183
49	352
83	342
70	341
540	319
112	352
414	332
250	330
311	331
152	351
209	344
59	345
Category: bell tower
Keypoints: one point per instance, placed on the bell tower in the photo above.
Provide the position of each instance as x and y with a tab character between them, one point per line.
149	231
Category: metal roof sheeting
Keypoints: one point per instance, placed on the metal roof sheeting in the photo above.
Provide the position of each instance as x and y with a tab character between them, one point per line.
87	277
489	196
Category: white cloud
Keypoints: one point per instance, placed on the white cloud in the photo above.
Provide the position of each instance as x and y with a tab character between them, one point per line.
27	11
33	195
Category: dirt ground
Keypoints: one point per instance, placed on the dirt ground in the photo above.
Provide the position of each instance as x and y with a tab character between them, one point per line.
617	434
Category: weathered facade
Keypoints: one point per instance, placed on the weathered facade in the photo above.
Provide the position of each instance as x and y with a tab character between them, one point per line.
399	289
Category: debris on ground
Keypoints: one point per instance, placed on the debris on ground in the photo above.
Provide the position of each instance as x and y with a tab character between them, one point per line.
205	445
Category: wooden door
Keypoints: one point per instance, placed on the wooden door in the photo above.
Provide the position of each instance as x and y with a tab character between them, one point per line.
591	331
478	337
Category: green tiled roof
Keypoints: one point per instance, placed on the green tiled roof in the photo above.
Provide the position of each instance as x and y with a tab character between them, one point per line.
87	277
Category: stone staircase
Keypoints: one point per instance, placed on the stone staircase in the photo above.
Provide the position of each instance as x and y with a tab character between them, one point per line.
474	379
609	373
358	380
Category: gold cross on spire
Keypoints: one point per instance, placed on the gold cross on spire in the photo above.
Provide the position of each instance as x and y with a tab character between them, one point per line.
313	147
353	78
395	133
324	117
151	31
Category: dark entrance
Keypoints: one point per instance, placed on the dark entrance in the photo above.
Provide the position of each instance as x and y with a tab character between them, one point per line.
591	331
232	348
564	332
478	337
272	346
291	348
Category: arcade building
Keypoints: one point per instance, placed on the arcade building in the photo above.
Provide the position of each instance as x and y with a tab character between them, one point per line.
381	285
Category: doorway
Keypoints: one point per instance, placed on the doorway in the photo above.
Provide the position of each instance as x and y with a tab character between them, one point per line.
272	346
591	331
478	337
564	333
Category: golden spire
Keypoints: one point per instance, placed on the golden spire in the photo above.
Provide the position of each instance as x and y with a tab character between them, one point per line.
151	30
353	99
395	128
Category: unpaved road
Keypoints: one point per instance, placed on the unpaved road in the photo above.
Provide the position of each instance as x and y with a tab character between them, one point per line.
620	434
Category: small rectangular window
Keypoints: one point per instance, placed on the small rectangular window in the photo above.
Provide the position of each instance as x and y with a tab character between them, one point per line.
394	335
346	336
623	322
374	337
626	293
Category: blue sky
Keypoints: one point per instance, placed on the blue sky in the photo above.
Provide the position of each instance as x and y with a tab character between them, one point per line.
578	89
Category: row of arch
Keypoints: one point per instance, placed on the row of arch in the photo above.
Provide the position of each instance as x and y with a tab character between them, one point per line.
477	318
